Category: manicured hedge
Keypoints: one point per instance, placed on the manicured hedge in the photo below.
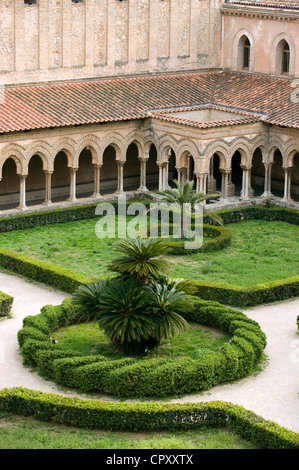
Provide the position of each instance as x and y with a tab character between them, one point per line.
68	281
143	377
55	276
219	237
143	417
273	291
6	302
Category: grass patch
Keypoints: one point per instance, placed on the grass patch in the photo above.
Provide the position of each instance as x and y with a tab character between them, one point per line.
88	339
26	433
261	251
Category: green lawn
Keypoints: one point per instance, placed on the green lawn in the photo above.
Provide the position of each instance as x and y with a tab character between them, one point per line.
261	251
88	339
26	433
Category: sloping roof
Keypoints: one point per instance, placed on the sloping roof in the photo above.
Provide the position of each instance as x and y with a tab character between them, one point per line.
285	4
108	100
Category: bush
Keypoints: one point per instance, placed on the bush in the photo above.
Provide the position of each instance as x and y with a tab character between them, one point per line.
144	417
55	276
249	296
6	302
144	377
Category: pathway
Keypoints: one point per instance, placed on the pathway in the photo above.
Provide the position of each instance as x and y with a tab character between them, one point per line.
272	394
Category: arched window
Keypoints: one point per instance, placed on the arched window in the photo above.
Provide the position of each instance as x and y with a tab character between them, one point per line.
246	54
283	57
285	66
244	46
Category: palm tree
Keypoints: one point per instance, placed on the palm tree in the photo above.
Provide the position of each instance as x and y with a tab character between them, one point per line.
142	258
178	197
168	302
87	300
126	314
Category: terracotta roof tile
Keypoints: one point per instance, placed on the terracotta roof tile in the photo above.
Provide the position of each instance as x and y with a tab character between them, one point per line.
285	4
99	101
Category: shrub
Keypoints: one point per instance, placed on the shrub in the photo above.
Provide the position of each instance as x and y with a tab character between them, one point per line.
145	377
6	302
143	417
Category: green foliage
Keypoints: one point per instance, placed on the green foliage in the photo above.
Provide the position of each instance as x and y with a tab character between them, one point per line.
141	257
55	276
249	296
141	417
178	197
146	376
87	299
6	302
125	313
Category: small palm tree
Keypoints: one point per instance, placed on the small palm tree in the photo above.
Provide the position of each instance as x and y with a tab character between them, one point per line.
141	257
178	197
168	302
125	314
87	300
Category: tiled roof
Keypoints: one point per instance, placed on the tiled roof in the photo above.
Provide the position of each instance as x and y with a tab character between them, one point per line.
107	100
286	4
243	116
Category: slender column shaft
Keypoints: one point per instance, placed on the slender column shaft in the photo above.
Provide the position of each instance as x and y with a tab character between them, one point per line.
96	180
287	184
267	188
142	186
120	178
48	188
73	184
22	204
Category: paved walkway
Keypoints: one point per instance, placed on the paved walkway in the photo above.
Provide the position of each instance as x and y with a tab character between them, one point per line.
273	393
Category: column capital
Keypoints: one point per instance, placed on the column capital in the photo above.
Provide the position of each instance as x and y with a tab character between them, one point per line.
120	163
246	167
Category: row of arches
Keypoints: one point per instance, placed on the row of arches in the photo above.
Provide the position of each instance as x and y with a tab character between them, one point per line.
241	178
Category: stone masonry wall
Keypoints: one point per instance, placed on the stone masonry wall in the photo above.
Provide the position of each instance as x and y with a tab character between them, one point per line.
55	40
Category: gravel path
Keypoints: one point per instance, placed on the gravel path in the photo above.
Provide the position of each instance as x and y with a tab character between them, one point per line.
272	393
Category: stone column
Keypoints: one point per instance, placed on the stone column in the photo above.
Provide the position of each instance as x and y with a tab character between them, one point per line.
96	180
142	186
245	181
72	184
201	183
267	189
180	175
165	179
224	185
120	177
287	184
22	204
48	187
160	165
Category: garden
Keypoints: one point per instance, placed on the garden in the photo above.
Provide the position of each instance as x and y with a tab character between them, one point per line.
145	321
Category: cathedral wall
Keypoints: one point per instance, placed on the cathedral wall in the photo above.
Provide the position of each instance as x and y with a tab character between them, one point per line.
55	40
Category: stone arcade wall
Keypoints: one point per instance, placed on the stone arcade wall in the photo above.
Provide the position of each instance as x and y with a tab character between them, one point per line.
59	39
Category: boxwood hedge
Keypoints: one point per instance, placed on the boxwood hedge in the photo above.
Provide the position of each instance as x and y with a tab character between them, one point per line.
130	376
68	281
142	417
6	302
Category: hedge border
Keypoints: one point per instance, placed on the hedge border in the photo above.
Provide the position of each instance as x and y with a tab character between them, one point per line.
143	417
68	281
154	377
6	302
